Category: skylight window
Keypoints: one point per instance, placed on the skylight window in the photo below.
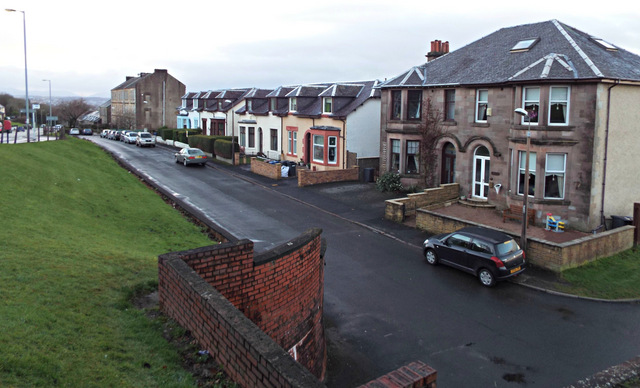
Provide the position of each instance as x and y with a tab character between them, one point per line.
605	44
524	45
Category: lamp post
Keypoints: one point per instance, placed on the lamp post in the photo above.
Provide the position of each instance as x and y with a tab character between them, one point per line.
525	202
50	115
233	130
26	82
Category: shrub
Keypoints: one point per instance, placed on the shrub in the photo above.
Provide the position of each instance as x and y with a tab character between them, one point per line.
222	147
183	137
389	181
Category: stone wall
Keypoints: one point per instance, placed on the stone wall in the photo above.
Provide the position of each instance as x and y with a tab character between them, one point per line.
542	253
400	208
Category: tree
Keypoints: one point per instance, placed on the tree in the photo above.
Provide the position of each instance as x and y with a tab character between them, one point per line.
71	110
431	130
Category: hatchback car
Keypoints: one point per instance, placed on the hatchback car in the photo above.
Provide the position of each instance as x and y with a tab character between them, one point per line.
189	156
87	131
144	139
488	254
104	133
74	131
129	137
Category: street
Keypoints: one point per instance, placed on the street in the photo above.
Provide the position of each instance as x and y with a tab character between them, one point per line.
385	307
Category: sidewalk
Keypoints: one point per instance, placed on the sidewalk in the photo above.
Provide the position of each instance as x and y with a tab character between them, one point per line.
22	137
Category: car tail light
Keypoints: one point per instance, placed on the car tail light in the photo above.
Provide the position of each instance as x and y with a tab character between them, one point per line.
498	262
191	157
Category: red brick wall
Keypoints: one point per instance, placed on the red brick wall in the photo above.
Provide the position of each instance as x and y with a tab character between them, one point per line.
280	291
309	178
273	171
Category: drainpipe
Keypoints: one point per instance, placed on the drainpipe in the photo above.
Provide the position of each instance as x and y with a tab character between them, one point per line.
606	150
344	144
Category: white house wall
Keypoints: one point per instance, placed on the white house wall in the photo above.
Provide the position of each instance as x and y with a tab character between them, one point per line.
363	130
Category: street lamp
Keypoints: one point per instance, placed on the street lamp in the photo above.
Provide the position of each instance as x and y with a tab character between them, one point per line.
26	82
525	190
233	130
49	120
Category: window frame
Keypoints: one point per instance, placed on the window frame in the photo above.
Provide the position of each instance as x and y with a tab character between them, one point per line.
332	159
449	105
274	139
522	159
558	101
317	147
243	136
395	111
562	173
392	160
415	155
252	137
528	117
327	102
292	141
479	103
293	104
412	101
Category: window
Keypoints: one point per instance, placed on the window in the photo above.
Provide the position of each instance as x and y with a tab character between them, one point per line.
274	139
293	104
252	137
559	105
219	105
522	170
482	103
318	148
525	44
554	172
531	102
396	105
449	104
249	105
243	136
272	104
411	164
327	105
292	142
332	156
395	155
459	240
414	104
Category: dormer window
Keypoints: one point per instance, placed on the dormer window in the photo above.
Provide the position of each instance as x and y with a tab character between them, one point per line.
195	103
272	104
249	104
524	45
219	105
293	104
605	44
327	104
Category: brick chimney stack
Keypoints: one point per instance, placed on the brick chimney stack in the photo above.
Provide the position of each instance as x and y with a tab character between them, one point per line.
438	48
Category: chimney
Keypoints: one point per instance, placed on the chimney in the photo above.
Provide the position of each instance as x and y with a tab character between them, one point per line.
438	48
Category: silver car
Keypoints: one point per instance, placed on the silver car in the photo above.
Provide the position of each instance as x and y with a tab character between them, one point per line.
144	139
129	137
189	156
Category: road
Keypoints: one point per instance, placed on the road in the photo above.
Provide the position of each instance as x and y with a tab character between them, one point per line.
384	307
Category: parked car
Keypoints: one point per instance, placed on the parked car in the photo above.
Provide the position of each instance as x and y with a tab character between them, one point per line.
189	156
104	133
129	137
87	131
486	253
144	139
74	131
111	135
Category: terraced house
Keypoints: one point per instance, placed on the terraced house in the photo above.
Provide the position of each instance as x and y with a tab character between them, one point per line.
580	93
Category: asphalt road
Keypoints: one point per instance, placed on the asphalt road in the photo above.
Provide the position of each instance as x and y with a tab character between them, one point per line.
384	307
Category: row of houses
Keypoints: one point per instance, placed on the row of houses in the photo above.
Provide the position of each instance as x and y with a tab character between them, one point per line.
453	119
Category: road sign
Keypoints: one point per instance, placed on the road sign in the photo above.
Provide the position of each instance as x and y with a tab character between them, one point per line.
35	106
52	118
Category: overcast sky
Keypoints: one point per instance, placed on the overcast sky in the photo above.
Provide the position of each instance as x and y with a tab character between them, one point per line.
87	48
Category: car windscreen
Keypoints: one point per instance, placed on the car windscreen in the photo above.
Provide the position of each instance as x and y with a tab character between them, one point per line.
145	134
507	247
194	152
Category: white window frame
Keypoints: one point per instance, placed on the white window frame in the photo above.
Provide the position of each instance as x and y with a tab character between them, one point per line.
480	102
332	150
526	101
243	136
395	150
412	145
318	146
327	101
522	160
293	104
559	101
561	174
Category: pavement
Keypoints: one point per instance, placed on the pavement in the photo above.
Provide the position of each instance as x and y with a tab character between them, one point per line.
22	137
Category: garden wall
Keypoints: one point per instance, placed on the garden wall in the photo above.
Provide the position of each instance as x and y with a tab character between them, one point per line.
542	253
260	167
399	208
310	178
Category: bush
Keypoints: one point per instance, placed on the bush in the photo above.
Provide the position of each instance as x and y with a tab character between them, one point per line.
222	147
183	137
389	181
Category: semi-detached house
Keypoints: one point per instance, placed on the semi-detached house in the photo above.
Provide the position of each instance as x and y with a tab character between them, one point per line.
581	94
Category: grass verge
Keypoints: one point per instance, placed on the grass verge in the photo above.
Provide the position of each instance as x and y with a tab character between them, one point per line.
81	236
615	277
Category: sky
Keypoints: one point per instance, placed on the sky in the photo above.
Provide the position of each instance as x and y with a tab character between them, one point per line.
87	48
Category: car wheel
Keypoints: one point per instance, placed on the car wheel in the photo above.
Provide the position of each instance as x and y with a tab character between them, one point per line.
486	278
184	161
431	257
176	158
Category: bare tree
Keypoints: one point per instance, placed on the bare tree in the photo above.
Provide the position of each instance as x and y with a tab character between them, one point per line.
70	111
431	130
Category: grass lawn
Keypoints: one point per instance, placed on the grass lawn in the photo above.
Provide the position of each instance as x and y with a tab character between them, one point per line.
79	235
615	277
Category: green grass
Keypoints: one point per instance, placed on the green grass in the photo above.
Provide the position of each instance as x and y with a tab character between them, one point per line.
615	277
79	236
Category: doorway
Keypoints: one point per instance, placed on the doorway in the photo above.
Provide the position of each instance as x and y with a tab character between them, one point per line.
481	172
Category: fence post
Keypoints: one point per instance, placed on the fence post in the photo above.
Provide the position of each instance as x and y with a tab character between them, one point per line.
636	223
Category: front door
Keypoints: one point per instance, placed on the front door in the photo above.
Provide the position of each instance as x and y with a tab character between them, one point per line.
481	172
448	164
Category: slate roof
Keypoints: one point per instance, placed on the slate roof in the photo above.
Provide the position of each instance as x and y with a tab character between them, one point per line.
347	97
560	53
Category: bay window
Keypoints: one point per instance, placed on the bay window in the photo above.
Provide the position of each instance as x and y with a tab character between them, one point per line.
412	161
531	102
395	155
318	148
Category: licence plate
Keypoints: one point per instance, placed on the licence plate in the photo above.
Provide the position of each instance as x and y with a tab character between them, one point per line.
198	157
516	269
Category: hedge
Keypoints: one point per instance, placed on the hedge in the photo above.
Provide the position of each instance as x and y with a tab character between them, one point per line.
222	148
